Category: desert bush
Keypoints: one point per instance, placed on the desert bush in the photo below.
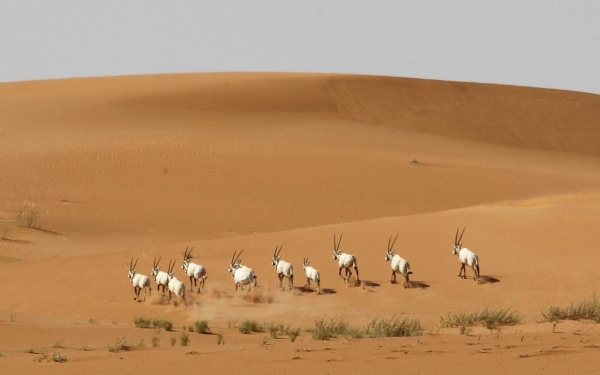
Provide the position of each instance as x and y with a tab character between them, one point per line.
173	340
395	327
142	322
155	341
293	333
331	328
167	325
5	226
201	326
248	326
28	215
184	339
120	344
58	357
220	340
59	344
490	318
582	310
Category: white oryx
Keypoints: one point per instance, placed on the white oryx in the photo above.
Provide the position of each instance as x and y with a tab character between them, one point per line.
345	261
466	257
175	286
242	275
194	271
398	264
239	264
311	274
139	281
161	277
283	268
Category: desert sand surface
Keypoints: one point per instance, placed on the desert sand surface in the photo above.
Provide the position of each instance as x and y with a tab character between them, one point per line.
145	166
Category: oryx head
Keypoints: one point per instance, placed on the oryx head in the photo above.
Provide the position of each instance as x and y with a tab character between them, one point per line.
132	265
170	271
187	256
276	256
305	263
390	251
457	241
336	247
155	267
234	265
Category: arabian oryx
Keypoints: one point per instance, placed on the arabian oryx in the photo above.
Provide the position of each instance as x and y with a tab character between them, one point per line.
345	261
398	264
194	271
466	257
175	286
161	277
311	274
139	281
242	275
283	268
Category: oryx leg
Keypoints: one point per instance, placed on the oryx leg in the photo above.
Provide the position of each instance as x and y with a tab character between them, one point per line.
307	285
318	287
136	292
407	281
191	277
357	277
291	282
393	279
340	273
462	268
280	275
348	274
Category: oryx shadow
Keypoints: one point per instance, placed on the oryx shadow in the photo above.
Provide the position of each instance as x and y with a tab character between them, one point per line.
303	289
483	279
417	285
370	284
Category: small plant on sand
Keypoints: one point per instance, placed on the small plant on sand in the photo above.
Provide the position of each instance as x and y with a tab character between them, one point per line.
167	325
184	339
155	341
394	327
589	310
331	328
220	340
201	326
5	226
92	321
58	357
487	317
142	323
249	326
13	318
293	333
141	344
59	344
120	344
28	215
173	340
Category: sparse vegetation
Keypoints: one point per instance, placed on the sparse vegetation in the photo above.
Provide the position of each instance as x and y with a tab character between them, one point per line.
489	318
220	340
394	327
142	323
173	340
328	329
30	351
92	321
155	341
59	344
201	326
121	344
582	310
249	326
58	357
293	333
167	325
13	318
86	348
28	215
184	339
141	344
5	226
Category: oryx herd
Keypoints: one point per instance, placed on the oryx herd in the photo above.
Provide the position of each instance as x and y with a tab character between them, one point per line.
244	276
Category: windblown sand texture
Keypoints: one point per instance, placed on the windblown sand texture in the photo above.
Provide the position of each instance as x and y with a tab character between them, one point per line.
144	166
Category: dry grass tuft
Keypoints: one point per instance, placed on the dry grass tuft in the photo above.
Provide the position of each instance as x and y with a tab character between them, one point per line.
249	326
489	318
120	344
582	310
28	215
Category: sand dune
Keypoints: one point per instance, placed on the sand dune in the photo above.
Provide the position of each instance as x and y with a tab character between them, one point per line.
144	166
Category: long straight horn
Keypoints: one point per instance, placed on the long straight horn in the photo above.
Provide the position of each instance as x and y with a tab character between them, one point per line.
135	265
461	235
189	254
393	243
233	257
238	256
157	263
131	264
279	250
339	242
456	237
334	242
185	253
